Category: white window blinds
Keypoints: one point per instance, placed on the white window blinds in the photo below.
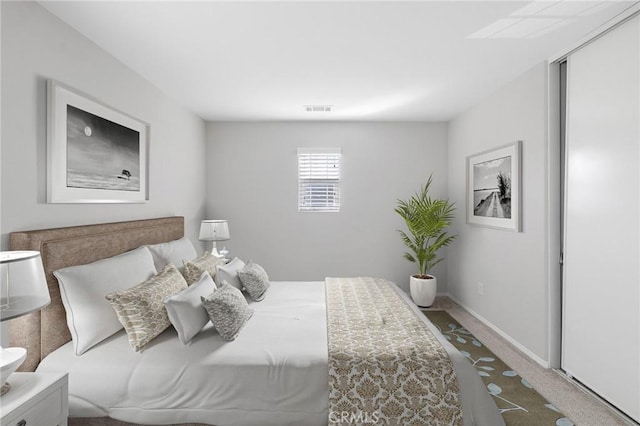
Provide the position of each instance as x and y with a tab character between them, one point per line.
319	179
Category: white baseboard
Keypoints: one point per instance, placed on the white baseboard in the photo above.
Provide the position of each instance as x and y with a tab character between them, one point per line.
511	340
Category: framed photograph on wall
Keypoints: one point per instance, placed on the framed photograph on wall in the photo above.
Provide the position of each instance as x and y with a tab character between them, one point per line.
494	187
95	154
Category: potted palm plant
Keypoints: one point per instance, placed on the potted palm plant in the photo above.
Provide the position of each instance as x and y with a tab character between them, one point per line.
427	220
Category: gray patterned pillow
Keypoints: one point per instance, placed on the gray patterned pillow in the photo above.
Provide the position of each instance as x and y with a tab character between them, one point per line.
140	309
194	268
228	310
255	280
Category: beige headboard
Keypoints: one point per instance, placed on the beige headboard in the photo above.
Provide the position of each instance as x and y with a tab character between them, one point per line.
43	332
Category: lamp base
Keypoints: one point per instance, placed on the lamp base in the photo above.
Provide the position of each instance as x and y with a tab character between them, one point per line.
5	388
214	250
10	360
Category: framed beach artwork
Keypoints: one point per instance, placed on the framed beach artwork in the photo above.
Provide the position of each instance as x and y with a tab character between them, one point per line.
95	154
494	187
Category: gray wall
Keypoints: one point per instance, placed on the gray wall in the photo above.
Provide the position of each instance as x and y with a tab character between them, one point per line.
512	266
252	182
246	172
36	46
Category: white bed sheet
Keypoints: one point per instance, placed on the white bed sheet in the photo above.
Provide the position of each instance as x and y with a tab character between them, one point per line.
274	373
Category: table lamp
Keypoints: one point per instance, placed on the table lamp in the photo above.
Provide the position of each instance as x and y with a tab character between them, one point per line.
215	230
23	289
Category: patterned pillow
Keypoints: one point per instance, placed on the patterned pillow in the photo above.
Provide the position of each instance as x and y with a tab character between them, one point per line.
228	310
255	280
194	268
140	308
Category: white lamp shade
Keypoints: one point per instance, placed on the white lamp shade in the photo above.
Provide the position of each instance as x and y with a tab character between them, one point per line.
214	230
23	286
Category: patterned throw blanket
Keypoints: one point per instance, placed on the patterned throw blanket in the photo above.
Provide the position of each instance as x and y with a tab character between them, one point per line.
385	366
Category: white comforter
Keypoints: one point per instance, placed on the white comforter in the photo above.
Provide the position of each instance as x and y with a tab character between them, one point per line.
274	373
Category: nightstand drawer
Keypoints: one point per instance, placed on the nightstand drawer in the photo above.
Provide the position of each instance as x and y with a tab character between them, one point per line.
44	413
35	399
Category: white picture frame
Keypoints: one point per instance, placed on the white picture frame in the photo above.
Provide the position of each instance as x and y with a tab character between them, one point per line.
95	154
494	188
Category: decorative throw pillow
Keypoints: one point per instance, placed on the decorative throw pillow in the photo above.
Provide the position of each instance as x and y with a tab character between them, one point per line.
185	309
228	310
229	273
82	288
194	268
176	252
140	308
255	280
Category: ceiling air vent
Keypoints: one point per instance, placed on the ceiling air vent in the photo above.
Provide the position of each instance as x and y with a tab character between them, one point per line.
318	108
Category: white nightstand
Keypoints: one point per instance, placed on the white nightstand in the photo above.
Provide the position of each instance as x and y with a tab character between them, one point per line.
35	399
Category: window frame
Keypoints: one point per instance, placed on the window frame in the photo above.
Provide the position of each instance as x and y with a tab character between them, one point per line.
314	181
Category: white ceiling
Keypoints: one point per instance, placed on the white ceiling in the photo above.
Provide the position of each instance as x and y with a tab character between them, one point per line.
423	61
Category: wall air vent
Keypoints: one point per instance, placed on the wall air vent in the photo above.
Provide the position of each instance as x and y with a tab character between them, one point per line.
318	108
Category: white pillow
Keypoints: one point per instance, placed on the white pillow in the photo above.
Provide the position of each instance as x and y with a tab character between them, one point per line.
229	273
90	317
176	252
185	309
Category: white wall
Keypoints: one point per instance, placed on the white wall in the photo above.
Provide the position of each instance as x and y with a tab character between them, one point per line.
512	266
252	182
36	46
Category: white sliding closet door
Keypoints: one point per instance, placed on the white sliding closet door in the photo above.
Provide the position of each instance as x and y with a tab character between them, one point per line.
601	301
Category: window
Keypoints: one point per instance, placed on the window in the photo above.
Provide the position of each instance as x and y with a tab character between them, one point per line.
319	179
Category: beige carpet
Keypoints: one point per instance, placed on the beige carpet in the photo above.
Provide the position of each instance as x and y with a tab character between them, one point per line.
578	405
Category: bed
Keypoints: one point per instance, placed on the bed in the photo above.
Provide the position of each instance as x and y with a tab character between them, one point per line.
276	372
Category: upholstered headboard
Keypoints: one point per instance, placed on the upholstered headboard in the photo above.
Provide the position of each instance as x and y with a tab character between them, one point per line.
43	332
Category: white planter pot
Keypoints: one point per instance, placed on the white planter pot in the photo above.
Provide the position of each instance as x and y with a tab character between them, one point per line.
423	291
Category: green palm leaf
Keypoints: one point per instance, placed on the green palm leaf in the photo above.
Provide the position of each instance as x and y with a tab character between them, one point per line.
426	220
